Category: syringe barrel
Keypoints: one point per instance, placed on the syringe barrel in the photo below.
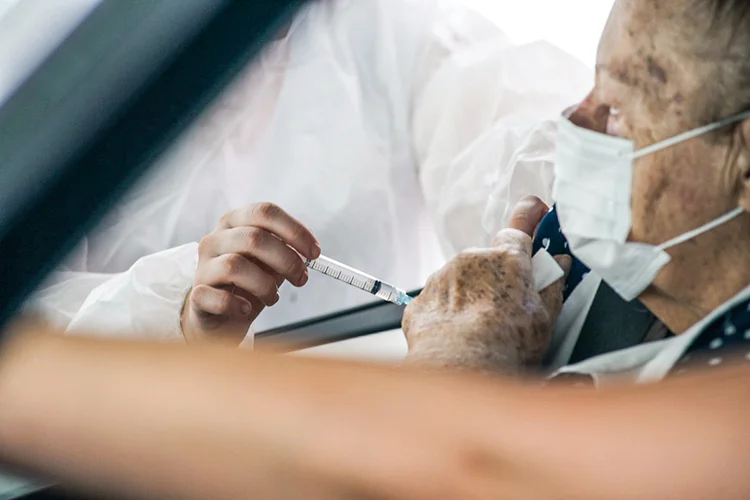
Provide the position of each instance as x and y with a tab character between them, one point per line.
342	272
386	291
358	279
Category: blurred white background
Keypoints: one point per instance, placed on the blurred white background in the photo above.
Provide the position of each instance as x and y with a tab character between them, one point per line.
37	25
573	25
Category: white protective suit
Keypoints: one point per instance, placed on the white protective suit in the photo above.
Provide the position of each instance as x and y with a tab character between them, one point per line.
378	123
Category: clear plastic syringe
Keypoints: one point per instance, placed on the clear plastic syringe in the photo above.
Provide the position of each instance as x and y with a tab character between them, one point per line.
358	279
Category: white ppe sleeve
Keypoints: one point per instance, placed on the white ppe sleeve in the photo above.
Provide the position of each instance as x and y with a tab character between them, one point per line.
143	302
479	128
529	170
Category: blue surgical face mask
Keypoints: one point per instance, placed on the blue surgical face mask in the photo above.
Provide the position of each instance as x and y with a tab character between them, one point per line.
593	189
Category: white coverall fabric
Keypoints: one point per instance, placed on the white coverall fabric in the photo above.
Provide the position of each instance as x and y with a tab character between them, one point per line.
378	123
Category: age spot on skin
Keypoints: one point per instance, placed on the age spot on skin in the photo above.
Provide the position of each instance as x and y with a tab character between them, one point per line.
656	71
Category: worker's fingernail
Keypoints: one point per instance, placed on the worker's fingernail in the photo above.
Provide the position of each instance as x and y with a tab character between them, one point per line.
316	251
304	278
246	309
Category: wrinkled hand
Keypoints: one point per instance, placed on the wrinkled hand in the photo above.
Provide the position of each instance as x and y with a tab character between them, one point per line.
241	266
481	311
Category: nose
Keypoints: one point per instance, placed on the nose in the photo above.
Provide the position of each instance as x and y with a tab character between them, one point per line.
590	115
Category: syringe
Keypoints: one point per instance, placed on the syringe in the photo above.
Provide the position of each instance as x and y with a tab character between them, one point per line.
358	279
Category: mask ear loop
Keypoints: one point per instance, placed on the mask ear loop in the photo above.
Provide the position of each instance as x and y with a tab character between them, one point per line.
702	229
691	134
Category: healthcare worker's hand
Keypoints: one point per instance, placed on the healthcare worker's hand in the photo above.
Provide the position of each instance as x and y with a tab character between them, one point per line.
481	311
241	266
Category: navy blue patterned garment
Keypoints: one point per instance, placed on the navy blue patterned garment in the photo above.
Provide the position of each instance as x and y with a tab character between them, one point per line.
724	340
549	236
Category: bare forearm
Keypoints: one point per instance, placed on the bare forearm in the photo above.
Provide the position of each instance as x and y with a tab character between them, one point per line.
160	421
166	421
670	440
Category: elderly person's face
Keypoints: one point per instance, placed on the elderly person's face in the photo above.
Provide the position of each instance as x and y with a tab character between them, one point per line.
660	73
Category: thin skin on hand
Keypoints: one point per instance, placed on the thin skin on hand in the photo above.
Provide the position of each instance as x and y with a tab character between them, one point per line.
481	312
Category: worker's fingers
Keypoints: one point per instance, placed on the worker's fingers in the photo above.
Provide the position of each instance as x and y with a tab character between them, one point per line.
257	304
263	248
234	269
276	276
210	303
552	296
275	220
527	214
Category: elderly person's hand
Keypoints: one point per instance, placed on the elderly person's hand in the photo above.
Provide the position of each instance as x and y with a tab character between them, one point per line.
481	311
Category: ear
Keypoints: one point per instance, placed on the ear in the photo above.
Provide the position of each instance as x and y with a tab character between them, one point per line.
743	163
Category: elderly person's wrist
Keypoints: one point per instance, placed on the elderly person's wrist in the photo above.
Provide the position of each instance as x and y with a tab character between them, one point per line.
467	355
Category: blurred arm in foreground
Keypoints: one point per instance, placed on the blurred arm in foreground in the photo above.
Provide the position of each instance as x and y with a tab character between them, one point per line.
156	421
